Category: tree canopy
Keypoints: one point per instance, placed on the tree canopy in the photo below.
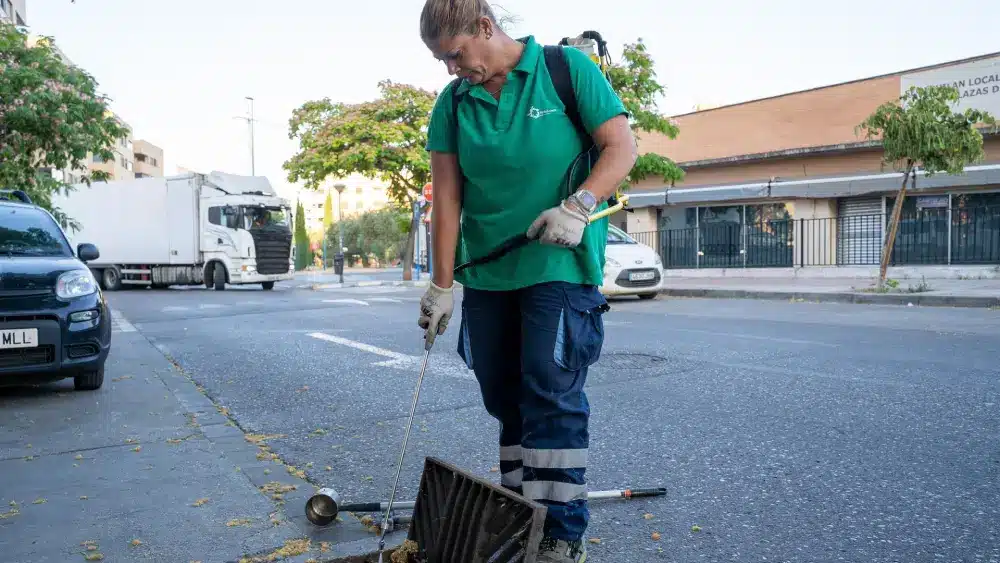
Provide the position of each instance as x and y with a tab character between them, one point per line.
635	82
51	116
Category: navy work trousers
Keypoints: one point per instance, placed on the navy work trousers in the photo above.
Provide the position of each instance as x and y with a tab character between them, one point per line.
530	350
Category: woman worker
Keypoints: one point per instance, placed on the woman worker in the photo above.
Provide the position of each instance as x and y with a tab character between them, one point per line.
531	321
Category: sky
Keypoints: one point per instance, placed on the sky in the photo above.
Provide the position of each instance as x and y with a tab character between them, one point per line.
179	71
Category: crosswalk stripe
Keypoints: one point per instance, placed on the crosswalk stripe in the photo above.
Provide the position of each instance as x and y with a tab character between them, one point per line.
119	323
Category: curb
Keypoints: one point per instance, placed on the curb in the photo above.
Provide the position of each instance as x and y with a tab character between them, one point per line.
322	286
905	299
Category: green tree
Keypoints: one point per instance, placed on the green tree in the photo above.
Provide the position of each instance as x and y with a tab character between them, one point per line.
382	139
921	130
635	82
327	211
303	253
51	116
379	234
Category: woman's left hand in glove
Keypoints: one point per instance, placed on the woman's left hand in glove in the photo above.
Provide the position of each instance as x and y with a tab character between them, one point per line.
562	225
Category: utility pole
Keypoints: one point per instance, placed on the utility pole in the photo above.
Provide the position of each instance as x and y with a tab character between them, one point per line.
249	118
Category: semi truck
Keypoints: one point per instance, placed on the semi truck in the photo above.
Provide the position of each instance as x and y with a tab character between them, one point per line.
189	229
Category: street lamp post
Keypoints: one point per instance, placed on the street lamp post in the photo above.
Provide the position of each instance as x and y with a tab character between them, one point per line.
338	260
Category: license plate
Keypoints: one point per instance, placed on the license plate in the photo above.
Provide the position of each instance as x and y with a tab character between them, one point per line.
19	338
641	276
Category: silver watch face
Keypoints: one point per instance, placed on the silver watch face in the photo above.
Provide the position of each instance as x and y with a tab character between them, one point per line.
587	199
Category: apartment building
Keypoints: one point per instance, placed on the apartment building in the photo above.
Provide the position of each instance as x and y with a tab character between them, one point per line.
148	159
360	195
786	182
14	11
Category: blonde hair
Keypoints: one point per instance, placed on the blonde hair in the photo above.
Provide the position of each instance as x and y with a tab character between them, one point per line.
449	18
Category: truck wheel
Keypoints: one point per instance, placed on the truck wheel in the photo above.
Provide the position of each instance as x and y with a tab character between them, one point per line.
90	380
219	277
111	278
208	276
647	296
268	286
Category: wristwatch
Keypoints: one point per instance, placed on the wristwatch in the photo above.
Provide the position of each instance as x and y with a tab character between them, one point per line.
586	200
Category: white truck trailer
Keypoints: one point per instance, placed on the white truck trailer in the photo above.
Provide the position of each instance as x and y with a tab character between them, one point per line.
189	229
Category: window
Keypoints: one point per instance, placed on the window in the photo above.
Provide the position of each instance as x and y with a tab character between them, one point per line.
358	190
139	157
359	205
617	236
27	231
141	175
224	217
98	159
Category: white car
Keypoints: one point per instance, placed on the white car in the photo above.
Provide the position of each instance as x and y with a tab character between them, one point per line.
631	268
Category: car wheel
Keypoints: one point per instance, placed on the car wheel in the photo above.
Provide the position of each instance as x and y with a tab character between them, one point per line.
219	277
268	286
647	296
90	380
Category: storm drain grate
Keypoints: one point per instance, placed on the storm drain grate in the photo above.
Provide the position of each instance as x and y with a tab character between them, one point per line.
624	360
460	518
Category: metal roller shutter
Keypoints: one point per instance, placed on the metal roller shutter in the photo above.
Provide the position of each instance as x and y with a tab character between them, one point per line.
859	231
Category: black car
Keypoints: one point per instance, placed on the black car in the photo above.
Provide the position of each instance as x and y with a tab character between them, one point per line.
54	320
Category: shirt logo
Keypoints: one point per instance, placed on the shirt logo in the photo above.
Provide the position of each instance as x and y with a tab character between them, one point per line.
535	113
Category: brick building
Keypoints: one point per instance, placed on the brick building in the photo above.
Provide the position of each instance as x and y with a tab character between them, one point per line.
785	181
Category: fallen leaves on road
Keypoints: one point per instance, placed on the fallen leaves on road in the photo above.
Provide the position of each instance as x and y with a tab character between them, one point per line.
130	440
292	470
318	432
328	468
655	536
91	553
647	516
260	439
137	449
696	528
29	458
78	457
14	511
595	540
122	378
84	497
277	490
495	469
238	522
292	548
39	501
136	542
303	389
173	441
199	502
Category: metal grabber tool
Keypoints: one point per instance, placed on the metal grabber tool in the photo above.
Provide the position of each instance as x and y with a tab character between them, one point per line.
387	520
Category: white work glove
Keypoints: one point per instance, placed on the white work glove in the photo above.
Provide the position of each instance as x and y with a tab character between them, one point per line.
436	307
562	225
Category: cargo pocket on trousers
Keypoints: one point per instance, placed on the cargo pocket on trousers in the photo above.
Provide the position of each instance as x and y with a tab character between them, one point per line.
580	334
464	343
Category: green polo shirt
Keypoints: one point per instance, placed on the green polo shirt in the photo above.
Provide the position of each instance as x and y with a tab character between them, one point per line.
515	154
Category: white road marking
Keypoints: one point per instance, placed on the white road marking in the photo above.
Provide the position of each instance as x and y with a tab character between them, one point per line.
210	306
384	300
173	308
119	323
353	301
447	367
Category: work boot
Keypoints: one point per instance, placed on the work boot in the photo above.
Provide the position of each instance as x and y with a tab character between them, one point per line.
552	550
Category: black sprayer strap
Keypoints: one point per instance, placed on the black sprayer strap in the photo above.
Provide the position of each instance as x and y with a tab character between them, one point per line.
507	246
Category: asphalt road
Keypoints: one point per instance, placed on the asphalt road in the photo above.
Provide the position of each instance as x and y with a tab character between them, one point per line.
785	432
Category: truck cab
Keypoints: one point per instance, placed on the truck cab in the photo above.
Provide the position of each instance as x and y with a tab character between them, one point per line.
249	235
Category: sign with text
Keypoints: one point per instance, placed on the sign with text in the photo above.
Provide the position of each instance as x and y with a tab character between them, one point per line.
977	82
428	192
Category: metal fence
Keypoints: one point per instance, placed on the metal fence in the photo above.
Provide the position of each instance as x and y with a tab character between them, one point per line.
957	236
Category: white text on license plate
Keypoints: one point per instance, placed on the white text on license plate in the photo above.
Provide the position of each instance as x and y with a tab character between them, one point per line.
19	338
641	276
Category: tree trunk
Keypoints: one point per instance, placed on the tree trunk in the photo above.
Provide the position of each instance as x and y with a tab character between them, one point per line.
410	243
890	235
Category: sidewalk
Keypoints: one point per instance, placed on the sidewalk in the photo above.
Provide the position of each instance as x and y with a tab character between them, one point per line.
149	469
936	292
